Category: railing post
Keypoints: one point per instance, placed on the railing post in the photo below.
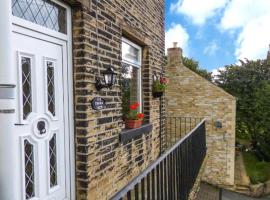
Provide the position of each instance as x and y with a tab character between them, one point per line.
166	178
161	180
220	194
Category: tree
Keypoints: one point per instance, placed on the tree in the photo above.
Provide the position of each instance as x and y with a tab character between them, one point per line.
194	66
249	82
262	103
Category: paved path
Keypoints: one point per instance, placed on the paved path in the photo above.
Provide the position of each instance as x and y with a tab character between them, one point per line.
241	178
227	195
208	192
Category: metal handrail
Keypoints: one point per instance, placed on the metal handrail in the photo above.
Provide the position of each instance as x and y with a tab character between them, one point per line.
120	194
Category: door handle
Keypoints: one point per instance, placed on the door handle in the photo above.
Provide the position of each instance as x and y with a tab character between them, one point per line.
41	126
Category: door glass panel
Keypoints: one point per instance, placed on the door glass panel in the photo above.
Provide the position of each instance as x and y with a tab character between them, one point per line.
50	87
29	170
26	86
53	161
42	12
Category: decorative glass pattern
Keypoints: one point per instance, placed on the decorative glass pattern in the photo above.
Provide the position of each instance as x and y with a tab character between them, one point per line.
42	12
26	86
51	87
29	170
53	161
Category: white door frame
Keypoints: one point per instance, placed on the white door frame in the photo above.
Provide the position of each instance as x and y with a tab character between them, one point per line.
22	26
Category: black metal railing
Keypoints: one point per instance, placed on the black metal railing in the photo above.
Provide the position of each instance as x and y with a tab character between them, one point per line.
173	174
178	127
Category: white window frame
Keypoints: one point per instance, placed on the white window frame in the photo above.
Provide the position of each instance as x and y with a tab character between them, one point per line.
137	64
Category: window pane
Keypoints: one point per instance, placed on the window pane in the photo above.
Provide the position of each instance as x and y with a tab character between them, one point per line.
50	87
42	12
130	53
130	86
26	86
29	170
53	161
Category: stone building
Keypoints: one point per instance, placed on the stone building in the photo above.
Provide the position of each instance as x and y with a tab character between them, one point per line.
197	97
54	53
68	71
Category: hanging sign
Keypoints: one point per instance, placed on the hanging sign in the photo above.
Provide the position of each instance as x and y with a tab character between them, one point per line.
98	103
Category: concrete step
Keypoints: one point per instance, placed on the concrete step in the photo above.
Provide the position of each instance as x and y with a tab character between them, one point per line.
246	193
243	189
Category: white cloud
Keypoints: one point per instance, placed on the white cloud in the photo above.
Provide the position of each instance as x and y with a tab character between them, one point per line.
239	13
198	10
216	72
211	49
176	33
253	41
252	18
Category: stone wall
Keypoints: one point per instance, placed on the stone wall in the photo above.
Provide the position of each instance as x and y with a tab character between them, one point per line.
104	164
190	95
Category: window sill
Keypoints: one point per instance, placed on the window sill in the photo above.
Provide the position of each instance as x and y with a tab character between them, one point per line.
129	134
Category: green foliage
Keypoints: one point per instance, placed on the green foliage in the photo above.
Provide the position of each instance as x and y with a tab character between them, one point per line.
262	105
125	100
132	114
158	87
258	171
194	66
250	84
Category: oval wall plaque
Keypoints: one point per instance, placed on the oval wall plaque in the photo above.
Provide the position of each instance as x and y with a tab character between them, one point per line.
98	103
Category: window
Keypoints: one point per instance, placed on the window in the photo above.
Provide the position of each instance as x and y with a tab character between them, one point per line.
42	12
53	161
131	75
50	87
26	86
29	170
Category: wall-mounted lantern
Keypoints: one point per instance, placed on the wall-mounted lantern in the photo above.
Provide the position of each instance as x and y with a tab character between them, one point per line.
218	124
109	78
155	77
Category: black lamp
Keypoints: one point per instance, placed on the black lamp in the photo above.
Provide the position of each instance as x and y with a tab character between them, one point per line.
218	124
109	78
155	77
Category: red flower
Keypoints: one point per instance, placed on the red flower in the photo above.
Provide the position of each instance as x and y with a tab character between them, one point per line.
134	106
140	115
163	80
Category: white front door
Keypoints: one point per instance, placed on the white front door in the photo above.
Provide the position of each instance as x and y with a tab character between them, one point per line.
42	130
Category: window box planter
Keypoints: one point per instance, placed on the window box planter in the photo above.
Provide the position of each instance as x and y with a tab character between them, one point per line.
159	86
133	117
130	123
157	94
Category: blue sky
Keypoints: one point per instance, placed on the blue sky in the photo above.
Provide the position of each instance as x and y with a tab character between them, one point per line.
219	32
